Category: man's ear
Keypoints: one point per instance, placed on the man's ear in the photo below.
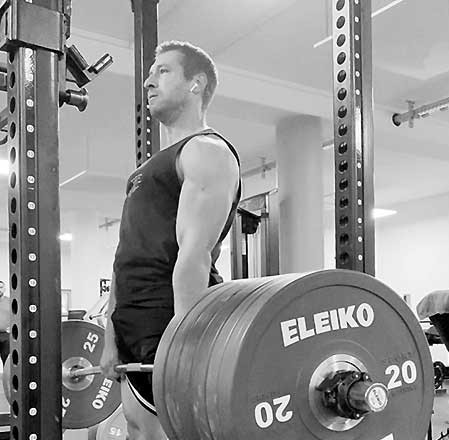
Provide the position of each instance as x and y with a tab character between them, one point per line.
201	81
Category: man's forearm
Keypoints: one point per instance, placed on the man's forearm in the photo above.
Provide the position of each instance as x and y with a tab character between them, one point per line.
190	279
109	331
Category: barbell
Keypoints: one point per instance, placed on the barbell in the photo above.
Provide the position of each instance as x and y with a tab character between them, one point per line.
332	354
78	372
88	398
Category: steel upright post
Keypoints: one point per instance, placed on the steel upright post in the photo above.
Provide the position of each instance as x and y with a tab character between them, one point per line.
353	135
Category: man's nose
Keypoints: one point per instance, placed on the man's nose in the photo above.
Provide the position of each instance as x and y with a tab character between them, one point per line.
149	82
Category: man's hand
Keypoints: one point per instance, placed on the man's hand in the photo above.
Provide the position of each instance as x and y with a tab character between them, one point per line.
109	359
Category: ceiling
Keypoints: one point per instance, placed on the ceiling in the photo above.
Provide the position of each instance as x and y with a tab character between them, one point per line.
268	70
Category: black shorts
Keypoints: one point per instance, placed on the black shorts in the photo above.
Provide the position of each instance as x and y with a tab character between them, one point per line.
141	385
138	333
4	346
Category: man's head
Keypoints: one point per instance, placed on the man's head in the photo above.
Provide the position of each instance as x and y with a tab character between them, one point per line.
2	288
182	74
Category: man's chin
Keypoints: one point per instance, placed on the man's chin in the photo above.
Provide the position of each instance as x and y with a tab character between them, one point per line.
161	116
155	113
154	117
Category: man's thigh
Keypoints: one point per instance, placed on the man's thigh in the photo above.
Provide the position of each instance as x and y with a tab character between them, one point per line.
142	423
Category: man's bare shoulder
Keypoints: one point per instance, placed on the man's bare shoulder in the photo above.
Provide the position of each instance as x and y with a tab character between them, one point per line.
209	148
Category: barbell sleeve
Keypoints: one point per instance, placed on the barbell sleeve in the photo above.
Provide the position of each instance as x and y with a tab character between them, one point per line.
134	368
81	372
124	368
97	315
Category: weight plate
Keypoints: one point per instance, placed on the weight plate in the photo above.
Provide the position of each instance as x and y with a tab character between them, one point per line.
89	400
266	367
166	366
163	366
197	345
185	359
114	427
201	394
212	380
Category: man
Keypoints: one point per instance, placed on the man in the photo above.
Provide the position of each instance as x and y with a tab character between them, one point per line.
179	207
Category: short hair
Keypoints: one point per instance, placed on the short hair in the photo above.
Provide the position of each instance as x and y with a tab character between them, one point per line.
195	60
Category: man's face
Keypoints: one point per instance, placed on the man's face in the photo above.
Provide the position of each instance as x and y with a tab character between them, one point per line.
167	87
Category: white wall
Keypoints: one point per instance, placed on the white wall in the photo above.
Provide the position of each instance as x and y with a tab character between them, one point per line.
412	251
259	183
412	258
412	247
91	256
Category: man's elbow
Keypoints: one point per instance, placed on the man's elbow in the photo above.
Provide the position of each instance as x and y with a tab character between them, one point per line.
194	250
197	253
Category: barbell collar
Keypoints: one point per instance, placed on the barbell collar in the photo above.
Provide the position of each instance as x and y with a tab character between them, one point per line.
368	396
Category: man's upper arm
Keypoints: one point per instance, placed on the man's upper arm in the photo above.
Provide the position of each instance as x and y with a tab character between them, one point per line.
210	177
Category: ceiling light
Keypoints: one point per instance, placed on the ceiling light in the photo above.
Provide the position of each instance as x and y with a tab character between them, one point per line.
4	167
374	14
327	145
386	8
323	41
66	237
4	171
71	179
379	213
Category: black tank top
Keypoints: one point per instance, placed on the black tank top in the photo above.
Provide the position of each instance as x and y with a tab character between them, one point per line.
147	249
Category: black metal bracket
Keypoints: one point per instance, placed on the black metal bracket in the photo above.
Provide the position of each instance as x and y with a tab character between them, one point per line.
21	25
250	221
18	27
77	70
